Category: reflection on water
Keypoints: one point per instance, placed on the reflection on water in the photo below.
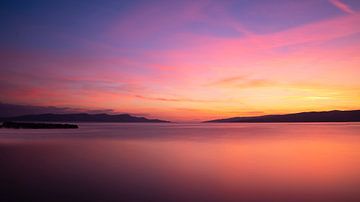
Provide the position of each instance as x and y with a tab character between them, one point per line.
182	162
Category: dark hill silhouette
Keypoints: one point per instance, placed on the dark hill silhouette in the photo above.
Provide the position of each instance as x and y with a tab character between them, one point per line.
83	117
326	116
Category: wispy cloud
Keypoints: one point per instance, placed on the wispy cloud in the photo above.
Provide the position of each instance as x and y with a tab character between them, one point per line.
170	99
228	80
242	82
342	6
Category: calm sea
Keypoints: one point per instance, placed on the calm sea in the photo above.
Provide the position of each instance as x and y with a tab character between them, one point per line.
182	162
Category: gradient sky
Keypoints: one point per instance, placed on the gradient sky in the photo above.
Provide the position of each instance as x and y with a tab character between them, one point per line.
182	60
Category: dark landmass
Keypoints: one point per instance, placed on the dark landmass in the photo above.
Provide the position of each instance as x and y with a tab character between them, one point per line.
12	110
326	116
82	117
18	125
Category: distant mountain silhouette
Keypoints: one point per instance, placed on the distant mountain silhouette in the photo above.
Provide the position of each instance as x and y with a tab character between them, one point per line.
326	116
12	110
82	117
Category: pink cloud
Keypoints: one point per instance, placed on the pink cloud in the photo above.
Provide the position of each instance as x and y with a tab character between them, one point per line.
220	52
342	6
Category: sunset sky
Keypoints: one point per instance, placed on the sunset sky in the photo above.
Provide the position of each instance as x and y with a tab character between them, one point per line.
182	60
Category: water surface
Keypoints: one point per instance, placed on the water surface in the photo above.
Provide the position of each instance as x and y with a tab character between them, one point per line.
182	162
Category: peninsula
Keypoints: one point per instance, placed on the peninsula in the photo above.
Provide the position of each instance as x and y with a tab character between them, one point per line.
82	117
324	116
18	125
